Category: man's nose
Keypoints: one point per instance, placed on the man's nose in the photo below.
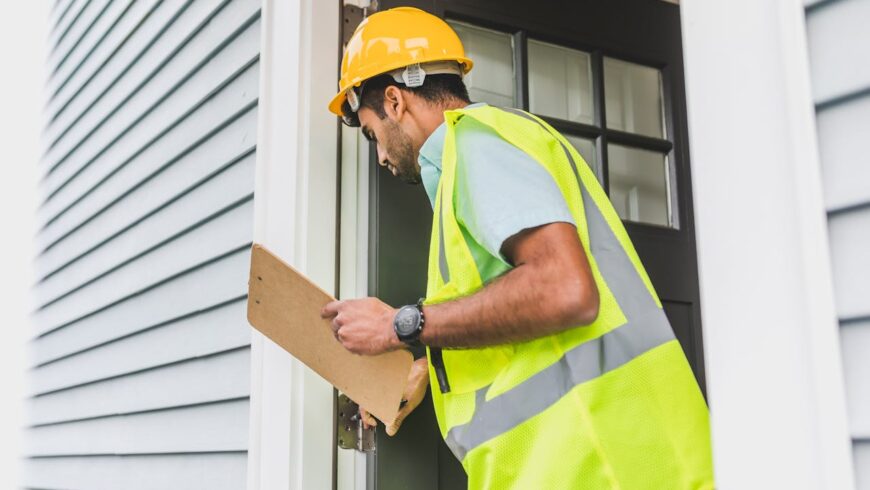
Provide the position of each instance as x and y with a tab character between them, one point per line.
382	157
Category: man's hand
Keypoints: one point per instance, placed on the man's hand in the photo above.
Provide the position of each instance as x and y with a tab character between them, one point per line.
363	326
415	390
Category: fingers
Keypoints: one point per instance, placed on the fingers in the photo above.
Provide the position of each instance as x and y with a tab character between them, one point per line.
331	309
336	324
367	419
393	427
415	390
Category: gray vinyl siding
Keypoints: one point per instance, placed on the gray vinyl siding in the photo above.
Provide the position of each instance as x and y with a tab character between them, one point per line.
140	353
839	51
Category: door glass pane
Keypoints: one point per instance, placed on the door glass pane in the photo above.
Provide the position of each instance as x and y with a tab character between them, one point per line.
633	98
586	148
639	187
492	78
560	82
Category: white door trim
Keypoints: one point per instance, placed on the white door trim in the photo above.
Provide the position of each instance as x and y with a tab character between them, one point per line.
291	421
771	344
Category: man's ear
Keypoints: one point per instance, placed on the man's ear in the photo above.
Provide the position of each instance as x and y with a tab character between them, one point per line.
395	102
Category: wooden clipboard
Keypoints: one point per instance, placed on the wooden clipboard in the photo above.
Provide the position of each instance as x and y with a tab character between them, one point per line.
285	306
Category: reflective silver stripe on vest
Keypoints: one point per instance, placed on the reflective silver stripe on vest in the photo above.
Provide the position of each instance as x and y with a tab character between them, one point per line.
646	327
442	255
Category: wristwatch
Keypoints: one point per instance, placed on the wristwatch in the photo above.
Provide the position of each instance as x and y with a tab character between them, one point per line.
408	323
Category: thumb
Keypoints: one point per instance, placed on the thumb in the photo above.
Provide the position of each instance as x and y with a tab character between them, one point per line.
367	418
395	424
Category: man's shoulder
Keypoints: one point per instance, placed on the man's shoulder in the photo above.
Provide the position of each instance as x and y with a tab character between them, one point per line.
477	138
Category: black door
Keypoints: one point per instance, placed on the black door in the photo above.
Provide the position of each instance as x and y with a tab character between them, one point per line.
609	75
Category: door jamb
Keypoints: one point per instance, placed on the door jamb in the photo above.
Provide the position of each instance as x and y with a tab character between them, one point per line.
291	438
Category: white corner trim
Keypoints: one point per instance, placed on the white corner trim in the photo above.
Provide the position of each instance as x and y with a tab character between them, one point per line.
835	448
771	343
291	422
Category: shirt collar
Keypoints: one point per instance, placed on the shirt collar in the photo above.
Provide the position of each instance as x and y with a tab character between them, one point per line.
430	156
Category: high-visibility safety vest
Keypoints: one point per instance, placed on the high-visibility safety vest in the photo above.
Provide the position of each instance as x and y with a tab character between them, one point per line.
609	405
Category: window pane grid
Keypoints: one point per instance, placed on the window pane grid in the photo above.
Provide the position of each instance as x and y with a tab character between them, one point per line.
493	78
633	98
560	82
611	111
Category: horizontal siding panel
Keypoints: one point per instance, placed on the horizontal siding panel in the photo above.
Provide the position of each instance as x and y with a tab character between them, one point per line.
119	109
129	162
839	46
184	171
110	247
201	288
196	381
116	56
58	13
148	64
127	18
226	232
849	235
223	82
219	471
855	340
221	329
59	33
94	20
862	465
842	131
215	427
140	359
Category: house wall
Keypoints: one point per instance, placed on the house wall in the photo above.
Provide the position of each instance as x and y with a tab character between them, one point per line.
140	357
839	51
771	340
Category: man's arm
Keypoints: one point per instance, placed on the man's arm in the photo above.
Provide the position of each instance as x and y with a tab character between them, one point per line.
551	288
528	223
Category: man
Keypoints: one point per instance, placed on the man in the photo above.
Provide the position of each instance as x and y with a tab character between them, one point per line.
551	362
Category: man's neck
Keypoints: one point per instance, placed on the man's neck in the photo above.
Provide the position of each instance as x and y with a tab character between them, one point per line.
437	116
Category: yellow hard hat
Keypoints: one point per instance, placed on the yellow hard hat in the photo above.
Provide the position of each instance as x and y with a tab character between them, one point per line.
394	39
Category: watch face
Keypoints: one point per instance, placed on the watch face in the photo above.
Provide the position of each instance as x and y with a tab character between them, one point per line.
407	320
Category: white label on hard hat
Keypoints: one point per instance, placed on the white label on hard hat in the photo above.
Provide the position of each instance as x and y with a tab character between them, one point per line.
352	100
414	75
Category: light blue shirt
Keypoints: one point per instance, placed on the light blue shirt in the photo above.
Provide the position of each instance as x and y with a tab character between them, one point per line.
500	191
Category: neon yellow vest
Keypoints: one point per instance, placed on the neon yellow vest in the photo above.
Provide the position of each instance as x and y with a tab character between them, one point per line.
610	405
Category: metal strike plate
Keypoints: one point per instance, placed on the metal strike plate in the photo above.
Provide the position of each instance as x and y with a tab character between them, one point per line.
352	15
350	430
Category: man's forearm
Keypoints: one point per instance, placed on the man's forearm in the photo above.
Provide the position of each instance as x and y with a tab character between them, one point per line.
520	305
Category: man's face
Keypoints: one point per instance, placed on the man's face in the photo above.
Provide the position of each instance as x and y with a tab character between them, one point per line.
395	148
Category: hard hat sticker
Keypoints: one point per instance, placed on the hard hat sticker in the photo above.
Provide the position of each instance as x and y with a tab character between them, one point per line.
352	100
414	75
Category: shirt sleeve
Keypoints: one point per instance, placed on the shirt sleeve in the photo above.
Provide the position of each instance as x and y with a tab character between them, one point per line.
502	190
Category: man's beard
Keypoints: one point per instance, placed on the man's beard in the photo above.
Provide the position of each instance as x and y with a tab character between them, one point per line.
402	154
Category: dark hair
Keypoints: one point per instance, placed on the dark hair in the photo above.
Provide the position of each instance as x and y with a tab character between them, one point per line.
436	89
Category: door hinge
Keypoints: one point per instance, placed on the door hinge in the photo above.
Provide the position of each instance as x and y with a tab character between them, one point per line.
352	14
349	427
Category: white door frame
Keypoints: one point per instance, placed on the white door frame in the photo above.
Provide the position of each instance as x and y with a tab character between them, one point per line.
774	375
291	418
